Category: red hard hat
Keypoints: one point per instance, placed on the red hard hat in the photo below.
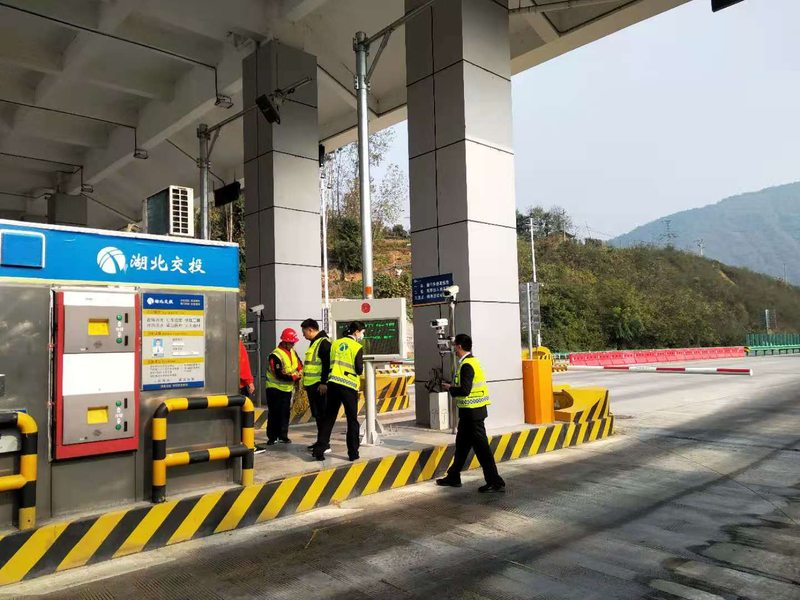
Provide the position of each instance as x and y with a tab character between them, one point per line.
289	335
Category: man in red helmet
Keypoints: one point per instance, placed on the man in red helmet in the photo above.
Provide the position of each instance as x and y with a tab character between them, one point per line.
284	369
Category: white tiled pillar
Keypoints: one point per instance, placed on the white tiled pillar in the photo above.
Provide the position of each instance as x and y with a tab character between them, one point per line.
282	220
461	166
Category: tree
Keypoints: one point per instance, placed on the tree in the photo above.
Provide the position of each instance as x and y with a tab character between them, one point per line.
345	251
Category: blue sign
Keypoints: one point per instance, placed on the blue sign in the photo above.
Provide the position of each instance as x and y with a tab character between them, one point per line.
59	254
173	301
430	290
173	341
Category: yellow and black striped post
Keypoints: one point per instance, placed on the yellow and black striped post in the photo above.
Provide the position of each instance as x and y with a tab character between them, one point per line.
25	481
162	460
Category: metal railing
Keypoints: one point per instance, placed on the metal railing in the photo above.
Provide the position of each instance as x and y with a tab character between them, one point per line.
773	339
25	480
162	460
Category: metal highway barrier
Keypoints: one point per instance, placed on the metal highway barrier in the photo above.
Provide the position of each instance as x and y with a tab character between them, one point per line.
25	480
162	460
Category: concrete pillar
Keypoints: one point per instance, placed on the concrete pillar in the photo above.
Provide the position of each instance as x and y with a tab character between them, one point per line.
461	166
282	220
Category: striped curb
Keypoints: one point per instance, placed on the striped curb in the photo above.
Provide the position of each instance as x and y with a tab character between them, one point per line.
66	545
580	412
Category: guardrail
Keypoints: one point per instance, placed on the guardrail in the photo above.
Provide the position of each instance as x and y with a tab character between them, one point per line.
771	350
773	339
162	460
25	480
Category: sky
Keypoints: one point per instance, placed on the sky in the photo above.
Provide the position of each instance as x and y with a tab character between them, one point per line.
676	112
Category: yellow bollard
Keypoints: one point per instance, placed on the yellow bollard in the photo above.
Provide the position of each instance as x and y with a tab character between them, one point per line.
537	387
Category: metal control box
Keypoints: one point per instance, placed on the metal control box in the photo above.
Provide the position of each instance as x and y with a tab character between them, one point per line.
97	372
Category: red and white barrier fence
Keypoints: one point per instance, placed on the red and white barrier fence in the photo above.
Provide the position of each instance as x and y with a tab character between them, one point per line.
647	369
634	357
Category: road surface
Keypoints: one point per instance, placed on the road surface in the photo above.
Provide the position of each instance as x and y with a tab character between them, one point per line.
696	497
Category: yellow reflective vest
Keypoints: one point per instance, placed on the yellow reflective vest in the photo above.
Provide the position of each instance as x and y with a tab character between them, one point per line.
290	363
343	363
312	368
479	395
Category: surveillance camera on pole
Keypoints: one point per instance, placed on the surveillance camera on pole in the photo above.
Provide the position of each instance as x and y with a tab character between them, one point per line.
269	105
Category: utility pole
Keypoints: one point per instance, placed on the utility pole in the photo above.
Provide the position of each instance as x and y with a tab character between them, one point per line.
701	245
785	281
669	235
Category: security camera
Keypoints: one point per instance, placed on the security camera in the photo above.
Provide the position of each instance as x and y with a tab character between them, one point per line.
256	310
451	291
269	109
245	331
438	323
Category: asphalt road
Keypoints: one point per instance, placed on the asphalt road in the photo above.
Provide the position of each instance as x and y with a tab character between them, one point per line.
697	496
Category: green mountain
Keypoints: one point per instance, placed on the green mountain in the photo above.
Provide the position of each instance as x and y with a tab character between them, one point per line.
759	230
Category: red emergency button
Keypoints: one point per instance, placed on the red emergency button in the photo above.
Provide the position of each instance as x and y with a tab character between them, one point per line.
365	308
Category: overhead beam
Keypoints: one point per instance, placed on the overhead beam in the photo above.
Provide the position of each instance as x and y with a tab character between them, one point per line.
83	49
193	98
296	10
542	26
600	27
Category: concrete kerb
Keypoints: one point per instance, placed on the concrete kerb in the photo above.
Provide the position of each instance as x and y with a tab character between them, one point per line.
65	545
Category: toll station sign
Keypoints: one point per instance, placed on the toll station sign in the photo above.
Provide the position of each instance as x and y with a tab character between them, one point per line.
173	341
430	290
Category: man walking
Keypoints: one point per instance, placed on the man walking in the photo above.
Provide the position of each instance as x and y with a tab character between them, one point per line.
284	369
344	381
316	369
472	397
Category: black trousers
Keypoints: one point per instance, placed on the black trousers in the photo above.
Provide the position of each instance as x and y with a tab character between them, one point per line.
279	406
317	403
339	395
471	435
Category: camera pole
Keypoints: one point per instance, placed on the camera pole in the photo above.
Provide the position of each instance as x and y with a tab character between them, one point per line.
453	362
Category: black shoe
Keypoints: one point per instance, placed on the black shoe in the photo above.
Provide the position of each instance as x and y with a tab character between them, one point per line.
270	442
492	488
285	441
318	456
353	458
311	447
448	482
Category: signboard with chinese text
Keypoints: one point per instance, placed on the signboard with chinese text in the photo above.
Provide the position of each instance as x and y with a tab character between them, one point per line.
173	341
56	254
430	290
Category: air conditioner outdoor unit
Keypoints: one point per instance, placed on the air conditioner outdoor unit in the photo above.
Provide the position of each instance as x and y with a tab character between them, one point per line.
171	212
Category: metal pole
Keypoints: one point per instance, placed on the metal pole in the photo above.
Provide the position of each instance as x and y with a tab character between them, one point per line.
202	162
530	318
324	212
453	364
362	49
362	87
259	383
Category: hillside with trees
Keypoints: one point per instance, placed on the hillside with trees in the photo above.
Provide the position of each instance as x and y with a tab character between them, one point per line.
597	296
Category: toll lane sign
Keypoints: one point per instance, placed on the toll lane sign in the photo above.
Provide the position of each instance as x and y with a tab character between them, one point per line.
173	341
430	290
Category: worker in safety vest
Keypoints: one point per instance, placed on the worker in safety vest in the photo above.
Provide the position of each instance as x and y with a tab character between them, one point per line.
316	370
472	397
344	381
284	369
